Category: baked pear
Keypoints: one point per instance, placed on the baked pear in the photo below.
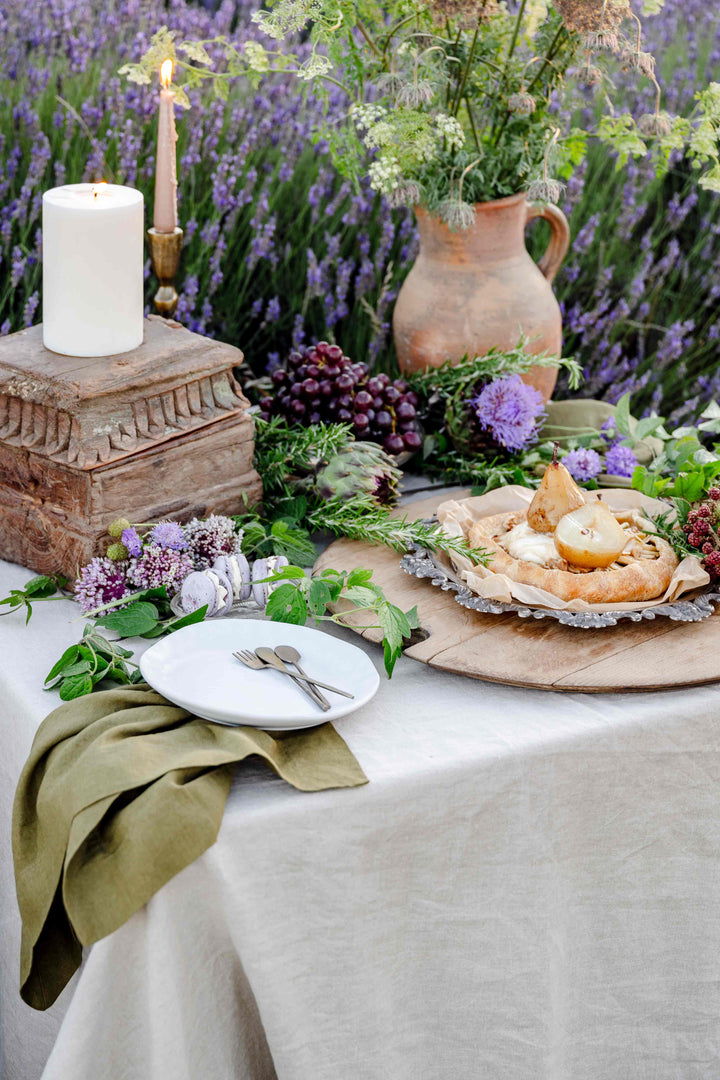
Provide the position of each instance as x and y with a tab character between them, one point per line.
590	537
557	496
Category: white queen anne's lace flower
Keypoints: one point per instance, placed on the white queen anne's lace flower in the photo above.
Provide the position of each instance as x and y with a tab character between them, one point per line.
313	67
364	116
256	56
449	128
384	175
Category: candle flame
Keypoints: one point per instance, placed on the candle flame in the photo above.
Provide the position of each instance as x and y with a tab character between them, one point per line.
98	188
166	73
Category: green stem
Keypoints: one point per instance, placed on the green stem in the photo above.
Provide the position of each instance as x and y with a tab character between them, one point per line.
398	26
369	40
516	33
471	118
548	57
466	72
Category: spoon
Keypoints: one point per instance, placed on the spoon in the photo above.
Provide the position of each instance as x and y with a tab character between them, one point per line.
291	656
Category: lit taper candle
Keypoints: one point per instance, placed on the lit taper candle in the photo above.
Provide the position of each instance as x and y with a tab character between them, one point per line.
165	216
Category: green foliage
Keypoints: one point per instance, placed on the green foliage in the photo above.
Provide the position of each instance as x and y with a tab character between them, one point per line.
303	598
43	587
84	665
449	378
454	109
289	458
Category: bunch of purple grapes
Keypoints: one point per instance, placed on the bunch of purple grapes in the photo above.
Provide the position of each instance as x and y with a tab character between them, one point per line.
322	384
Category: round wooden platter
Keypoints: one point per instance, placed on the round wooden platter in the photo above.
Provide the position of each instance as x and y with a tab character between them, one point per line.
656	654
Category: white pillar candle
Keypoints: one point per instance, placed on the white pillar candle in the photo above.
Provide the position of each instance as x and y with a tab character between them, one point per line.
92	269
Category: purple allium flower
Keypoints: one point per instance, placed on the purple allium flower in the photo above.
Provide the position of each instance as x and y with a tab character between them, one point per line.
169	534
132	541
160	566
101	581
210	537
583	464
620	461
510	410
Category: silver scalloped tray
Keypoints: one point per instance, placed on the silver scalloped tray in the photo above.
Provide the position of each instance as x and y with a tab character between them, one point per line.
421	563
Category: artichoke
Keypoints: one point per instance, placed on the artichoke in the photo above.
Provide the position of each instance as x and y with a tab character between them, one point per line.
360	468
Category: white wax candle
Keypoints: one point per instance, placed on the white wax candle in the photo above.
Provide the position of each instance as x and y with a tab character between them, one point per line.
92	269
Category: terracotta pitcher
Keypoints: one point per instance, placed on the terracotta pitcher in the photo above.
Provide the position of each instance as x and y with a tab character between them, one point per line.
469	291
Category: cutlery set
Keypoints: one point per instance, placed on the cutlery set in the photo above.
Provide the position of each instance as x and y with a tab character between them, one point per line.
277	659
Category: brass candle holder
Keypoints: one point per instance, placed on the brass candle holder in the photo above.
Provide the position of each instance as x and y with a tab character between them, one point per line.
165	249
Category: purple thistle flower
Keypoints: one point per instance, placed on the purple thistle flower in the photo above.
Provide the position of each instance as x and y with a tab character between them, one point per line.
160	566
620	461
583	464
101	581
210	537
510	410
169	534
131	539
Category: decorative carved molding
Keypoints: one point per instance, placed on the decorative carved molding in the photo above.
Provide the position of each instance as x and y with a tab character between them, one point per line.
88	438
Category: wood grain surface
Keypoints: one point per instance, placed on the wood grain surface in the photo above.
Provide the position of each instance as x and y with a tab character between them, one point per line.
651	655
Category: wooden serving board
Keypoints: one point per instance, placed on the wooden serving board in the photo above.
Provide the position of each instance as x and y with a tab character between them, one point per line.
656	654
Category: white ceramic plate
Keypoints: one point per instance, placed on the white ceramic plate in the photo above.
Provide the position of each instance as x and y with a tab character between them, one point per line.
195	668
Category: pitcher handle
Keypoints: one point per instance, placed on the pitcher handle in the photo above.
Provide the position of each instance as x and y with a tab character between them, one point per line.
559	236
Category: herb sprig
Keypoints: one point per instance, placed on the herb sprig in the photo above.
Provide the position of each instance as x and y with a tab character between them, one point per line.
42	587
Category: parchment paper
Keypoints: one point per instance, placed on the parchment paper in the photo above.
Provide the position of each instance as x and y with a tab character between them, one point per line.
457	517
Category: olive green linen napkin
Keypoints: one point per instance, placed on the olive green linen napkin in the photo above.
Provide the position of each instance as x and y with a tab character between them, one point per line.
121	791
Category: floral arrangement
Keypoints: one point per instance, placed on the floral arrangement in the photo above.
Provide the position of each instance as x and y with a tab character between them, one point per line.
457	101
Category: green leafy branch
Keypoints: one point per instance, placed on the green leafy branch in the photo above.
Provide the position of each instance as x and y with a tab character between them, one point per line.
82	666
43	587
298	598
450	377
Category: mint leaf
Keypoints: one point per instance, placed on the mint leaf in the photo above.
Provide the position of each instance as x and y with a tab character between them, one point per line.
287	573
68	657
133	621
319	595
292	542
413	619
42	585
186	620
358	576
622	415
394	623
76	686
287	604
362	596
647	426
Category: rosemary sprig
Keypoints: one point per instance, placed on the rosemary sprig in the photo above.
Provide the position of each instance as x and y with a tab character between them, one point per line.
449	377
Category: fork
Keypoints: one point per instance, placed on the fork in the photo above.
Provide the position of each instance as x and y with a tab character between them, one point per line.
252	661
249	659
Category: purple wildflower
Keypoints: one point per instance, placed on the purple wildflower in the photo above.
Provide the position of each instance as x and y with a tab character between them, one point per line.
160	566
131	539
210	537
169	534
583	464
510	410
620	461
609	431
101	581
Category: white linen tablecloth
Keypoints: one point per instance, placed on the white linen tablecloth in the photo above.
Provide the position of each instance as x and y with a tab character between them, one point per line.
527	889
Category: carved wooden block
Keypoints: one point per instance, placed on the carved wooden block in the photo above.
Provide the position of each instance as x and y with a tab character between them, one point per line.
162	431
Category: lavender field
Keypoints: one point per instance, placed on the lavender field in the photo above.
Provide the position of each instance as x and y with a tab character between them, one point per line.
280	250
